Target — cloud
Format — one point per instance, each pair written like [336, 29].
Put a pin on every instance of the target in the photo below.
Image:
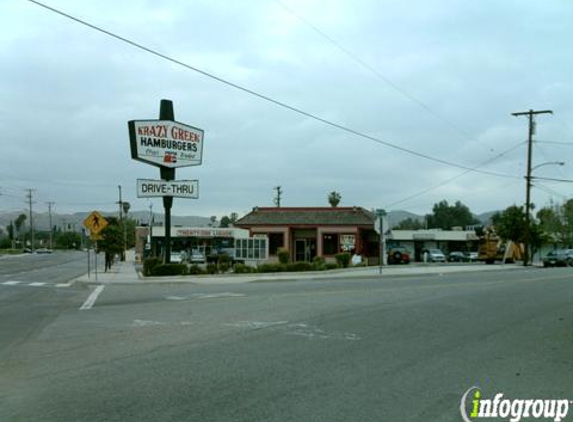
[68, 93]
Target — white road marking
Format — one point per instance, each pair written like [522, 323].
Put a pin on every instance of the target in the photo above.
[216, 295]
[63, 284]
[175, 297]
[92, 298]
[255, 325]
[145, 323]
[295, 329]
[36, 284]
[11, 283]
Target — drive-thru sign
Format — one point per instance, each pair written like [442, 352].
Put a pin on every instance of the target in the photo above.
[148, 188]
[165, 143]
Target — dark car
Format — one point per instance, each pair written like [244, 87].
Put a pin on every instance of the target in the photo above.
[457, 257]
[558, 258]
[398, 255]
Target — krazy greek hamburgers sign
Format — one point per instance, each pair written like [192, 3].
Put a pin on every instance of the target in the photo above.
[165, 143]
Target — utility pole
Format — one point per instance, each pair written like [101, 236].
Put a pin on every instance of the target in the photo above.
[278, 197]
[50, 216]
[29, 196]
[527, 237]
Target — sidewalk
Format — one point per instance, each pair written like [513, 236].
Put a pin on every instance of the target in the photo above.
[125, 273]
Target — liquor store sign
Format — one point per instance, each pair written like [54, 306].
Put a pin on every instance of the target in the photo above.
[165, 143]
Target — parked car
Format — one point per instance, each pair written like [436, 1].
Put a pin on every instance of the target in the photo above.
[558, 258]
[436, 255]
[43, 250]
[176, 258]
[398, 255]
[472, 256]
[197, 256]
[457, 256]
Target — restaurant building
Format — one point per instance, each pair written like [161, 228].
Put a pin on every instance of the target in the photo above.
[307, 232]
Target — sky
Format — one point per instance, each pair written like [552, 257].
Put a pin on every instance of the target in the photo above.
[438, 79]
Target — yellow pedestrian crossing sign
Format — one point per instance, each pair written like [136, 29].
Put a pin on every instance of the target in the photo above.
[95, 222]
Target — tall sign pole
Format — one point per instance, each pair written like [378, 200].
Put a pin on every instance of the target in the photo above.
[527, 234]
[167, 174]
[166, 144]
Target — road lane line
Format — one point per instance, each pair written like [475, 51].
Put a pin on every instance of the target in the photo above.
[92, 298]
[11, 283]
[63, 284]
[36, 284]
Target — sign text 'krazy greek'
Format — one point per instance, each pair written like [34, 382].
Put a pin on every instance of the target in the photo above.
[165, 143]
[148, 188]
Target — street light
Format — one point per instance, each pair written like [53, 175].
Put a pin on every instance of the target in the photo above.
[549, 163]
[528, 206]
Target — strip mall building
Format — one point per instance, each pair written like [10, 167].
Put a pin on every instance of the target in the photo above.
[309, 232]
[306, 233]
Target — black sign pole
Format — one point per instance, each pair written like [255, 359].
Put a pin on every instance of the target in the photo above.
[167, 174]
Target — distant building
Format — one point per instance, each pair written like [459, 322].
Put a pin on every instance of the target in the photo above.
[417, 241]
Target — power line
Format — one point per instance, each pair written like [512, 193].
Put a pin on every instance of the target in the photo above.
[265, 97]
[554, 143]
[549, 190]
[374, 71]
[552, 179]
[445, 182]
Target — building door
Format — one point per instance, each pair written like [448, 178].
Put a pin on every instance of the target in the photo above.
[300, 250]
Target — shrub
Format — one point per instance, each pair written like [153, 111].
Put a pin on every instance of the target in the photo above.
[331, 266]
[319, 263]
[212, 269]
[149, 264]
[240, 268]
[271, 268]
[196, 270]
[300, 266]
[283, 256]
[224, 263]
[169, 269]
[343, 259]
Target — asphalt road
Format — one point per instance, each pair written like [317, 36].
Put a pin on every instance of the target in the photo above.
[390, 349]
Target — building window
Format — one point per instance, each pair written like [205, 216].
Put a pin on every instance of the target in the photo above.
[330, 244]
[251, 249]
[276, 241]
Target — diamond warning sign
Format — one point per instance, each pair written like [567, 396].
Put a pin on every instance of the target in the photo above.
[95, 222]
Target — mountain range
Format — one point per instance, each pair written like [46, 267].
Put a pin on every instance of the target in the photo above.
[69, 221]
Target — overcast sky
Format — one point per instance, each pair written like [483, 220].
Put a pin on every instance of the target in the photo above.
[440, 78]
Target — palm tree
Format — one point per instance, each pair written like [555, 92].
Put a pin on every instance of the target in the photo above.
[334, 198]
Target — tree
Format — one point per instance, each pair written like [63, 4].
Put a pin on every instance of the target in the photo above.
[68, 240]
[334, 199]
[510, 224]
[445, 216]
[556, 222]
[409, 224]
[19, 222]
[225, 221]
[112, 234]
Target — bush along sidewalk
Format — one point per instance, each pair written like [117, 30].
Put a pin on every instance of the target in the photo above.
[155, 267]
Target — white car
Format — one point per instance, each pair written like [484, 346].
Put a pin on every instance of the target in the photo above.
[175, 258]
[436, 255]
[197, 256]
